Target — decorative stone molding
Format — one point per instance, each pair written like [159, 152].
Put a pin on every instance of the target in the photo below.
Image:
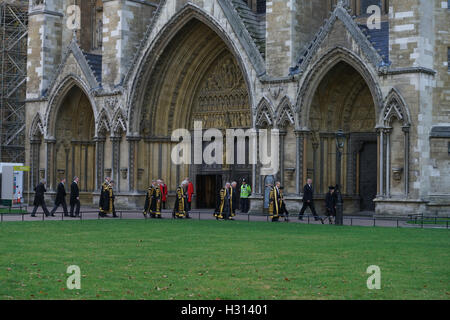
[395, 107]
[124, 173]
[108, 172]
[397, 174]
[285, 113]
[264, 114]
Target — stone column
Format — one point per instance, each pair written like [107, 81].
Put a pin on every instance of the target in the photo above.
[321, 163]
[406, 159]
[301, 146]
[132, 160]
[50, 163]
[116, 160]
[381, 161]
[315, 146]
[387, 132]
[254, 159]
[282, 134]
[100, 161]
[35, 145]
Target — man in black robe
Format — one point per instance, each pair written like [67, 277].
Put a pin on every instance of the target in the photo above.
[39, 200]
[75, 198]
[179, 209]
[308, 201]
[225, 203]
[60, 198]
[107, 198]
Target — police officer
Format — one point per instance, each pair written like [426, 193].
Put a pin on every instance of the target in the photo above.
[246, 191]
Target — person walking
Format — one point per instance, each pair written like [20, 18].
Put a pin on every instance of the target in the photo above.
[330, 204]
[308, 201]
[75, 198]
[39, 200]
[60, 198]
[190, 192]
[164, 193]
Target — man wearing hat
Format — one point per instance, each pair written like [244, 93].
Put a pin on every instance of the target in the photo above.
[330, 204]
[246, 191]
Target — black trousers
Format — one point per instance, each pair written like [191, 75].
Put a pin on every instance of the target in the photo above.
[63, 204]
[245, 205]
[73, 204]
[44, 207]
[311, 206]
[163, 204]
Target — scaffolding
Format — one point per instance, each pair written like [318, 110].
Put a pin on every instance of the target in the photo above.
[13, 73]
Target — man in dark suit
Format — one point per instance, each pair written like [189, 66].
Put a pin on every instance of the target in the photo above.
[75, 198]
[39, 198]
[60, 198]
[308, 201]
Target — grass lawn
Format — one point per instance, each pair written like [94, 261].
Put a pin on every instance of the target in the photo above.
[170, 259]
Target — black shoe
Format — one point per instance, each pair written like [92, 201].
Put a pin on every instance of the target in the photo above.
[34, 216]
[66, 215]
[52, 214]
[72, 216]
[300, 218]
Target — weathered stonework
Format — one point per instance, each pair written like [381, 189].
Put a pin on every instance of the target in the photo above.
[163, 64]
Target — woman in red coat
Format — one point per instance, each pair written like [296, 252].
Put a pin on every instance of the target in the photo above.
[190, 192]
[164, 192]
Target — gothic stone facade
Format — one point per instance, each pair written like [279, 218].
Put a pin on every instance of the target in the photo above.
[104, 100]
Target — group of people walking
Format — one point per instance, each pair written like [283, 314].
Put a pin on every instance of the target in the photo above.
[277, 205]
[156, 199]
[60, 199]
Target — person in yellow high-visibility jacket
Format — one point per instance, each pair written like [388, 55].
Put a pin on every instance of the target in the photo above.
[246, 192]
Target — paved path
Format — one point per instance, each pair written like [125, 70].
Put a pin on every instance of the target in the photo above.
[89, 213]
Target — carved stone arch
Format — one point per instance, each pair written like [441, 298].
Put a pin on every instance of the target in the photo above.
[395, 107]
[318, 71]
[145, 66]
[57, 97]
[37, 128]
[119, 123]
[356, 89]
[285, 113]
[102, 124]
[264, 114]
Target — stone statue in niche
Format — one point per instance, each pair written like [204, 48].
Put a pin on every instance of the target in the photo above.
[38, 2]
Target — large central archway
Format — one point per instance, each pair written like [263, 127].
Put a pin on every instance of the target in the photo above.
[196, 78]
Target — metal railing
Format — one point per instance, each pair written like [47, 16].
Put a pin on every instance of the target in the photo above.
[411, 221]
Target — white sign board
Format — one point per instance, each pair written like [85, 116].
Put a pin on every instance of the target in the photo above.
[12, 182]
